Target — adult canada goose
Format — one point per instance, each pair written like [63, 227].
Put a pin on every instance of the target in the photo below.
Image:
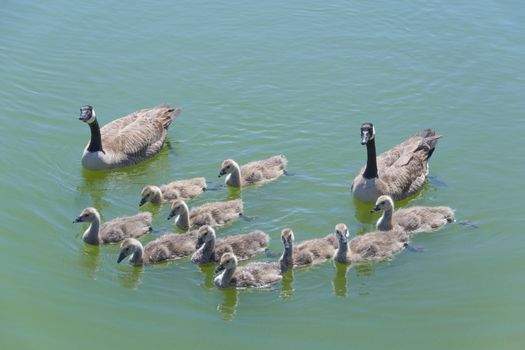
[128, 140]
[166, 247]
[180, 189]
[399, 172]
[213, 213]
[371, 246]
[413, 219]
[244, 245]
[256, 274]
[114, 230]
[314, 251]
[259, 171]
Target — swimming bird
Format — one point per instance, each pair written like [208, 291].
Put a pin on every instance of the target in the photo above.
[114, 230]
[371, 246]
[167, 247]
[314, 251]
[180, 189]
[255, 274]
[399, 172]
[213, 213]
[256, 172]
[128, 140]
[244, 245]
[413, 219]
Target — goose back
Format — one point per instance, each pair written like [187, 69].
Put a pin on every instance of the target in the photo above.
[216, 213]
[315, 251]
[183, 189]
[265, 170]
[170, 247]
[377, 245]
[124, 227]
[422, 218]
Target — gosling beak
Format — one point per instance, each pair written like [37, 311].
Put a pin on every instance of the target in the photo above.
[364, 138]
[219, 268]
[121, 257]
[170, 215]
[286, 244]
[222, 173]
[77, 220]
[374, 209]
[142, 202]
[344, 239]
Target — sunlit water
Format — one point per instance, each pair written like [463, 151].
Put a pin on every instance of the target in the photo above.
[254, 80]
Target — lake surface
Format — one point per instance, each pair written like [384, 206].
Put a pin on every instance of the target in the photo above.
[254, 80]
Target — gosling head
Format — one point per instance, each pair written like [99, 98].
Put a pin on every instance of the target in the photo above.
[205, 234]
[87, 114]
[368, 132]
[227, 167]
[228, 261]
[341, 232]
[127, 248]
[177, 207]
[88, 215]
[383, 203]
[148, 193]
[287, 237]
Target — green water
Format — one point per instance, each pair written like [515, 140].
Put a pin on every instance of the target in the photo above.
[254, 80]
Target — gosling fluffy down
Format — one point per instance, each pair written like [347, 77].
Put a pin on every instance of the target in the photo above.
[180, 189]
[114, 230]
[413, 219]
[214, 213]
[256, 172]
[166, 247]
[244, 245]
[372, 246]
[314, 251]
[257, 274]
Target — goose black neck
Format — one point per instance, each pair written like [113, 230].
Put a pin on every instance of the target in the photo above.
[371, 163]
[95, 144]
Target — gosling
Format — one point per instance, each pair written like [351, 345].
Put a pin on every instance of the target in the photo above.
[214, 214]
[166, 247]
[372, 246]
[256, 172]
[413, 219]
[257, 274]
[180, 189]
[115, 230]
[244, 246]
[314, 251]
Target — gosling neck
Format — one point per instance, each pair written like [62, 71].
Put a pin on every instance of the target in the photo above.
[183, 221]
[137, 257]
[234, 178]
[95, 144]
[286, 260]
[385, 221]
[371, 163]
[207, 250]
[226, 277]
[341, 252]
[91, 234]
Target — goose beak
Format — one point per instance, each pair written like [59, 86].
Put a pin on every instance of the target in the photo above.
[170, 215]
[121, 257]
[374, 209]
[219, 268]
[344, 239]
[222, 173]
[85, 114]
[77, 220]
[142, 202]
[364, 138]
[199, 243]
[286, 244]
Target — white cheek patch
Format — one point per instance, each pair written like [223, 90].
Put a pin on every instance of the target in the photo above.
[373, 133]
[93, 117]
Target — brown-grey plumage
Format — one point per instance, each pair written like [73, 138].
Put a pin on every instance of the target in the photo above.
[372, 246]
[413, 219]
[256, 172]
[256, 274]
[314, 251]
[399, 172]
[128, 140]
[244, 245]
[213, 213]
[114, 230]
[166, 247]
[180, 189]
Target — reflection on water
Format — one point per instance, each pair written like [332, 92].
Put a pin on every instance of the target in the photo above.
[132, 277]
[287, 285]
[365, 270]
[89, 259]
[340, 280]
[233, 192]
[228, 308]
[208, 271]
